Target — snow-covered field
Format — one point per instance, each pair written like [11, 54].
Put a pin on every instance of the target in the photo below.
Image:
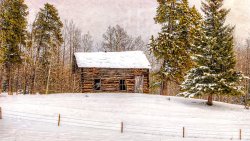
[98, 117]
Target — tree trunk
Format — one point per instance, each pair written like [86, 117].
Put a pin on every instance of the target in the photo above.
[161, 90]
[1, 80]
[9, 81]
[25, 86]
[33, 56]
[164, 88]
[210, 100]
[74, 83]
[25, 78]
[62, 69]
[247, 72]
[17, 79]
[35, 65]
[0, 84]
[48, 78]
[33, 81]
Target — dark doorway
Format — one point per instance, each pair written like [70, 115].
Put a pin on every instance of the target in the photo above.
[139, 84]
[97, 84]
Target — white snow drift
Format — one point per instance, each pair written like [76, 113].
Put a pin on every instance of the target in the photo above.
[97, 117]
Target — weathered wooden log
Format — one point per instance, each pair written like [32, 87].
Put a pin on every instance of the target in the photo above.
[110, 79]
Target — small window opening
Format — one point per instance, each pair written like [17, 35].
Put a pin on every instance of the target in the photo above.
[123, 85]
[97, 84]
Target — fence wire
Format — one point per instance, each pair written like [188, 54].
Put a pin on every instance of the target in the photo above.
[190, 132]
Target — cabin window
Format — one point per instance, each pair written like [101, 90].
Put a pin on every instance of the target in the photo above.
[97, 84]
[123, 85]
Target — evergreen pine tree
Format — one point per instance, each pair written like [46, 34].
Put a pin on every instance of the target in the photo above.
[215, 73]
[13, 35]
[47, 41]
[174, 44]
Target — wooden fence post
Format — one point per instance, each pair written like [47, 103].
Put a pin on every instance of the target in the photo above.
[121, 127]
[0, 112]
[59, 119]
[240, 134]
[183, 132]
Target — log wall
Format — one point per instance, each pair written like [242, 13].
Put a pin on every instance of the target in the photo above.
[110, 79]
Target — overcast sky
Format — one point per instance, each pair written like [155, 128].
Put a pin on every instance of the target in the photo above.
[136, 16]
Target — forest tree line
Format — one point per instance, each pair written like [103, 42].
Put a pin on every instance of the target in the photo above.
[38, 58]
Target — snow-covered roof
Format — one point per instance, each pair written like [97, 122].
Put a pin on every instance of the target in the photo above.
[127, 59]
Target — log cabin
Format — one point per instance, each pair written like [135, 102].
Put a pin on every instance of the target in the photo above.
[112, 72]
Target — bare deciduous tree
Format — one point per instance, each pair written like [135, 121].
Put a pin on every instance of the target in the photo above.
[86, 43]
[117, 39]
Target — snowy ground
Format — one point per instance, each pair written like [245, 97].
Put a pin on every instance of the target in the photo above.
[97, 117]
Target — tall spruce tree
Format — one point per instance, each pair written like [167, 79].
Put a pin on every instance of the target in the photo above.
[176, 41]
[47, 41]
[214, 73]
[13, 36]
